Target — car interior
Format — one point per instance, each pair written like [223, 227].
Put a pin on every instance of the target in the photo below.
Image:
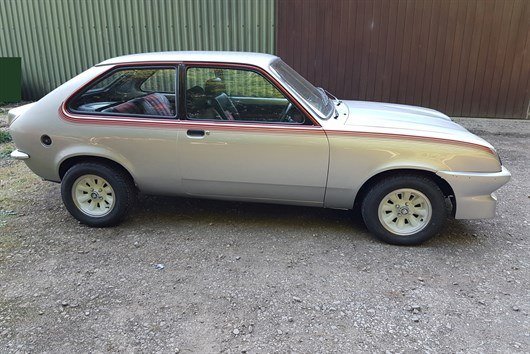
[126, 94]
[213, 101]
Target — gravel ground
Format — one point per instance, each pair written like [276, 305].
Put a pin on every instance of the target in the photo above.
[183, 275]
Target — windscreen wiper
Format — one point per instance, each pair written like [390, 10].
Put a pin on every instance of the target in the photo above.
[325, 93]
[337, 101]
[333, 96]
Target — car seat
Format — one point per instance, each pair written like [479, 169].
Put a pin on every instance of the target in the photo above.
[154, 104]
[215, 89]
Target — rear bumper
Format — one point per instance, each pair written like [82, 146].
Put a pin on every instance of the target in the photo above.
[474, 192]
[19, 155]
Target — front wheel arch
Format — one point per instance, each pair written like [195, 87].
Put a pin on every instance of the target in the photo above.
[404, 209]
[444, 186]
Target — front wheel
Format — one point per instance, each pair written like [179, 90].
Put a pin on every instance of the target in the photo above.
[404, 210]
[96, 194]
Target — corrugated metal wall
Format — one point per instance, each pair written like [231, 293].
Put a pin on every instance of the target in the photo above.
[58, 39]
[463, 57]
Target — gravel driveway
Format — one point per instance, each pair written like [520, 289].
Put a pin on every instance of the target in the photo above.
[183, 275]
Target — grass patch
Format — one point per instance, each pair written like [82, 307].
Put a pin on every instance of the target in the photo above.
[4, 137]
[16, 180]
[6, 150]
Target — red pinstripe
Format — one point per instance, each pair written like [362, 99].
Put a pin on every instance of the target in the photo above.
[238, 127]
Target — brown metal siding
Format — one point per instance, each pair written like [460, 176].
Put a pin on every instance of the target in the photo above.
[463, 57]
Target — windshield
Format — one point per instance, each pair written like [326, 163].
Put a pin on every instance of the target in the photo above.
[316, 98]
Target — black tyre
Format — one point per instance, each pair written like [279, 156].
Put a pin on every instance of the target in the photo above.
[404, 210]
[97, 194]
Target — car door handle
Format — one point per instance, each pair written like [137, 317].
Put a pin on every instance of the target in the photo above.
[199, 133]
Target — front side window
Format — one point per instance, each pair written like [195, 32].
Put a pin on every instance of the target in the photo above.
[237, 95]
[139, 92]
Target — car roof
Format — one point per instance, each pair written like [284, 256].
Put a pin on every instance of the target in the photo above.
[259, 59]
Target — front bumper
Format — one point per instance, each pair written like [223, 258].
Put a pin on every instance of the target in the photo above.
[474, 192]
[19, 155]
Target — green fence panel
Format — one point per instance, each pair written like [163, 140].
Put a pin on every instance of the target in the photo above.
[58, 39]
[10, 80]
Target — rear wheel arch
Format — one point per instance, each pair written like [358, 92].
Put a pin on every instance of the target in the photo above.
[97, 193]
[74, 160]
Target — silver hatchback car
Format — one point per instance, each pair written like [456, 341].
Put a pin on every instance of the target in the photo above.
[247, 127]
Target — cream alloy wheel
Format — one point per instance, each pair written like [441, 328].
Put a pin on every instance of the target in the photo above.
[97, 194]
[405, 211]
[93, 195]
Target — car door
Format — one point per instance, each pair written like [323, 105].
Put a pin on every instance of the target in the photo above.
[257, 152]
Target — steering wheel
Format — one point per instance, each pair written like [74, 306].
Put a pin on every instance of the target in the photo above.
[284, 116]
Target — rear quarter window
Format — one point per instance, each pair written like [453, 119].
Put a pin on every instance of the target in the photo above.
[146, 91]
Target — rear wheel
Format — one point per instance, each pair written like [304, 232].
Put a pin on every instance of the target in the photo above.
[404, 210]
[97, 194]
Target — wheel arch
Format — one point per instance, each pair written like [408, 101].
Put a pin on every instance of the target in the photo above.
[444, 186]
[67, 163]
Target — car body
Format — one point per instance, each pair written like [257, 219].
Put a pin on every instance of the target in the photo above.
[231, 136]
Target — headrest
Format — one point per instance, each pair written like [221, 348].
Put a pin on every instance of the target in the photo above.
[214, 87]
[196, 90]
